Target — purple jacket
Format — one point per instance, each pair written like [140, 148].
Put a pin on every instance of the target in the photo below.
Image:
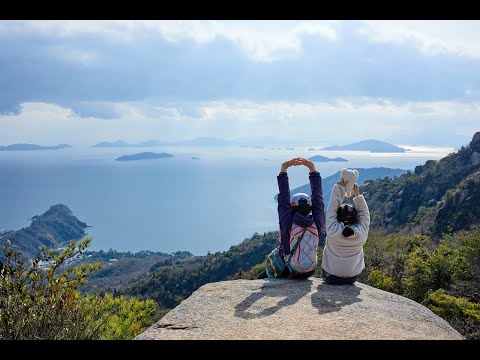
[285, 216]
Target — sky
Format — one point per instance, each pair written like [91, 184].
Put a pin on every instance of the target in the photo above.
[287, 82]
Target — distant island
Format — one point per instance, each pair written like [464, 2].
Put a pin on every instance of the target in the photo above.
[118, 143]
[374, 146]
[205, 141]
[254, 147]
[320, 158]
[195, 158]
[144, 156]
[124, 144]
[32, 147]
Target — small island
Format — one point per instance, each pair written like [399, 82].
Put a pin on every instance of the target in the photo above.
[320, 158]
[144, 156]
[32, 147]
[374, 146]
[124, 144]
[115, 144]
[195, 158]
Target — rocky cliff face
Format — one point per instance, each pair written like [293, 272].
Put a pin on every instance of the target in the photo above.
[286, 309]
[438, 197]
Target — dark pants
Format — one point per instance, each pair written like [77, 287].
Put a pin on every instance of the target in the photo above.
[288, 275]
[262, 275]
[336, 280]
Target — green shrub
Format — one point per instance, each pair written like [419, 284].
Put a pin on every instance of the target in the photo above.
[459, 312]
[430, 270]
[45, 303]
[119, 318]
[380, 280]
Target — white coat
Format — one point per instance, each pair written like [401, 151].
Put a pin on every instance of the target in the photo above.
[343, 256]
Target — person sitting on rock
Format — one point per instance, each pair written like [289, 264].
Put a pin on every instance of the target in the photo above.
[301, 219]
[347, 230]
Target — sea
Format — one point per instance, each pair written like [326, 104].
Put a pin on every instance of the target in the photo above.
[203, 199]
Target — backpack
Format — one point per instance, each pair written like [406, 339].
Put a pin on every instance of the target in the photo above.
[275, 266]
[304, 257]
[301, 259]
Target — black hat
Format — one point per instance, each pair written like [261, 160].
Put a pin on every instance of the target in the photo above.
[347, 214]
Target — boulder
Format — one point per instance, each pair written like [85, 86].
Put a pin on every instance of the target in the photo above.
[297, 309]
[459, 197]
[475, 158]
[389, 208]
[431, 202]
[476, 177]
[476, 137]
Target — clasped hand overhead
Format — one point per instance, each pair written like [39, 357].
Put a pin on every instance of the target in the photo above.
[298, 161]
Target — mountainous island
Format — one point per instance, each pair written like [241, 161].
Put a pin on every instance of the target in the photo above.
[320, 158]
[204, 141]
[32, 147]
[374, 146]
[114, 144]
[53, 228]
[124, 144]
[144, 156]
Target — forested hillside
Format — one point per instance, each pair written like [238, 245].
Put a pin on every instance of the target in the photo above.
[440, 196]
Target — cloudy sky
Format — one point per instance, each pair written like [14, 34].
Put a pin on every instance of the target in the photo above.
[289, 82]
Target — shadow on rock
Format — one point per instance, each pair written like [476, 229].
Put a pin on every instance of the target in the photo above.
[330, 298]
[289, 290]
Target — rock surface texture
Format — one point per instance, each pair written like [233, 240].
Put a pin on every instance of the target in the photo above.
[297, 309]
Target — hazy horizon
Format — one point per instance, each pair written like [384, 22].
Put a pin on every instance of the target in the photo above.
[232, 142]
[141, 205]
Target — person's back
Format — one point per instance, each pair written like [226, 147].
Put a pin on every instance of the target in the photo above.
[343, 258]
[301, 220]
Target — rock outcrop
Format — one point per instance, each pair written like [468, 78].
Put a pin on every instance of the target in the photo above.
[302, 309]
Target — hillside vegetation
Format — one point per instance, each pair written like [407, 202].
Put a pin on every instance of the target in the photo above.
[438, 197]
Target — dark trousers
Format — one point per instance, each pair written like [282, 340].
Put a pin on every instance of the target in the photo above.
[336, 280]
[288, 275]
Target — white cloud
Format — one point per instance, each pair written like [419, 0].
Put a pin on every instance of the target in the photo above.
[268, 40]
[430, 36]
[82, 57]
[342, 121]
[115, 29]
[263, 41]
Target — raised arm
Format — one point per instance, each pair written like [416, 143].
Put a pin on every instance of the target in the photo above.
[284, 207]
[363, 214]
[318, 207]
[333, 226]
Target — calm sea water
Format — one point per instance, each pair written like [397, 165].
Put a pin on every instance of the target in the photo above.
[169, 204]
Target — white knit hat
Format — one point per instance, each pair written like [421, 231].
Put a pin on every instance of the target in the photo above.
[296, 197]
